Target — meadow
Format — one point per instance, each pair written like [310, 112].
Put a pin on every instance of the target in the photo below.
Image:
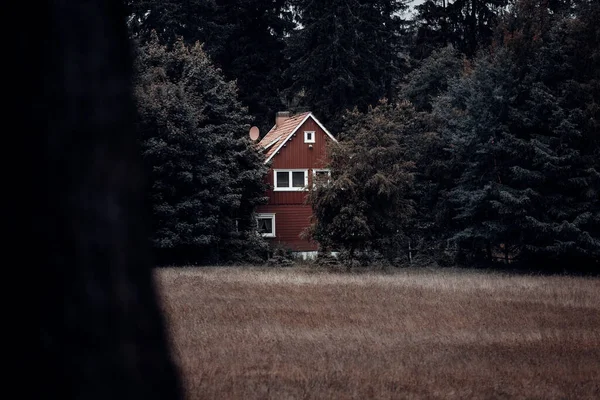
[292, 333]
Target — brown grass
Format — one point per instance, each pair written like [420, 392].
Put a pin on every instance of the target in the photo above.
[416, 334]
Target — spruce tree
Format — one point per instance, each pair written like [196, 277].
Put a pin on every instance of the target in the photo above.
[253, 54]
[430, 79]
[555, 123]
[468, 25]
[344, 55]
[205, 175]
[432, 29]
[245, 39]
[474, 112]
[522, 126]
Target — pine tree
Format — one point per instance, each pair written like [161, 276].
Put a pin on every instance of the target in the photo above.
[205, 175]
[245, 39]
[555, 122]
[193, 19]
[433, 29]
[474, 112]
[468, 25]
[344, 55]
[253, 54]
[435, 171]
[430, 79]
[524, 131]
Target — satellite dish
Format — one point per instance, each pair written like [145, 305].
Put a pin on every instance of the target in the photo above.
[254, 133]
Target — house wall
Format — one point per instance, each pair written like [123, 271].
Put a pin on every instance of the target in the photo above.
[297, 155]
[290, 221]
[292, 216]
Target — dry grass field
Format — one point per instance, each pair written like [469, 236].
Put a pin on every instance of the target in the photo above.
[416, 334]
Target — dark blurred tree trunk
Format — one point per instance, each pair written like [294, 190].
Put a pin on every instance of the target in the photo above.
[90, 307]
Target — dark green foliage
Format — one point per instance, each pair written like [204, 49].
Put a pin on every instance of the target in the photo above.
[431, 77]
[280, 256]
[345, 55]
[206, 178]
[496, 159]
[435, 172]
[474, 113]
[556, 117]
[253, 54]
[170, 19]
[468, 25]
[432, 28]
[366, 205]
[524, 132]
[245, 39]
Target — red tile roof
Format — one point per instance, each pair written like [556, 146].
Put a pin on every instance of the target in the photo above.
[280, 133]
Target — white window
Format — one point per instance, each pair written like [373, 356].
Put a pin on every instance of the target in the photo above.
[290, 180]
[321, 177]
[309, 136]
[265, 224]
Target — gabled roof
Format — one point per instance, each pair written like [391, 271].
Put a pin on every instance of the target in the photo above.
[279, 135]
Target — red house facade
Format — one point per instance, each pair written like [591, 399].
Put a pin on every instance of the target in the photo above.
[295, 150]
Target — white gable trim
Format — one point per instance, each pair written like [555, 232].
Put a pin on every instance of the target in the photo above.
[272, 143]
[322, 127]
[310, 115]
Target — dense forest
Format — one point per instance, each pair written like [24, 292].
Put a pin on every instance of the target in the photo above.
[469, 130]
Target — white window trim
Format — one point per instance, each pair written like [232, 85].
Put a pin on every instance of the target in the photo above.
[306, 136]
[289, 189]
[315, 170]
[265, 216]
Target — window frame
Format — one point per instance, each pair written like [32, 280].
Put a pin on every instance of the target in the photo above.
[270, 216]
[314, 174]
[306, 137]
[290, 188]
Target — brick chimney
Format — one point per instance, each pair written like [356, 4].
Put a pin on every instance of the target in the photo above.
[281, 117]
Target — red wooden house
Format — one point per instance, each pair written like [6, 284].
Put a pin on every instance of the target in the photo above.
[295, 149]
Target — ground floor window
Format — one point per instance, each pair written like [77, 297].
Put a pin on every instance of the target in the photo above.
[290, 180]
[265, 224]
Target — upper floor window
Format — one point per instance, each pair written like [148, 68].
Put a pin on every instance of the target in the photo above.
[290, 180]
[309, 136]
[321, 176]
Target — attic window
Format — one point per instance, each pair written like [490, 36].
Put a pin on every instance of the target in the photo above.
[290, 180]
[309, 136]
[265, 224]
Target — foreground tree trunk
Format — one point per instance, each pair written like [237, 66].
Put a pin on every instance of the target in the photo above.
[90, 311]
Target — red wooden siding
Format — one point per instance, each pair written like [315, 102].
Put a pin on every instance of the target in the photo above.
[292, 216]
[297, 155]
[290, 221]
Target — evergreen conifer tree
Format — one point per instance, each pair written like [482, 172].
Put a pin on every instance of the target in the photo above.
[205, 175]
[245, 39]
[431, 77]
[468, 25]
[344, 55]
[474, 112]
[524, 131]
